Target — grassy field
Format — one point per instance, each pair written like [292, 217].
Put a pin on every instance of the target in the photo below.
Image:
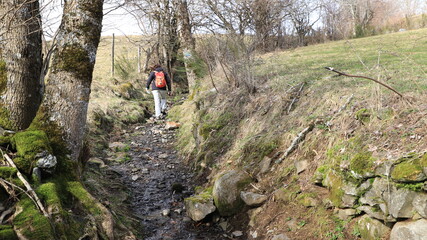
[124, 47]
[402, 57]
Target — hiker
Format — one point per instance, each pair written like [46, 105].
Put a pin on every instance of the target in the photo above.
[160, 82]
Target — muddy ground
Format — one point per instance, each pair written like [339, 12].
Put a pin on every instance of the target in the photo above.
[145, 173]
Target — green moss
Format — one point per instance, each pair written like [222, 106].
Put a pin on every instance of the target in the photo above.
[408, 171]
[53, 132]
[416, 187]
[335, 184]
[211, 123]
[3, 76]
[7, 233]
[203, 197]
[306, 199]
[323, 169]
[7, 172]
[66, 166]
[80, 193]
[28, 144]
[5, 121]
[362, 163]
[31, 223]
[260, 146]
[73, 59]
[5, 140]
[227, 207]
[363, 115]
[335, 155]
[49, 194]
[423, 161]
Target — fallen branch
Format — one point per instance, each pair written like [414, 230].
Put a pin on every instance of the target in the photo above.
[7, 188]
[299, 138]
[356, 76]
[4, 182]
[295, 98]
[329, 123]
[5, 213]
[27, 185]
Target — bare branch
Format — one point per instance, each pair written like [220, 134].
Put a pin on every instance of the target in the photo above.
[357, 76]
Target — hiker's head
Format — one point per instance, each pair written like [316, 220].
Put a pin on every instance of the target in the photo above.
[156, 66]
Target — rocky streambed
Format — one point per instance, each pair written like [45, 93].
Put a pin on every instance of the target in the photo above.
[158, 180]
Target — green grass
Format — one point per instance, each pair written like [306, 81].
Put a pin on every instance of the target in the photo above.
[401, 56]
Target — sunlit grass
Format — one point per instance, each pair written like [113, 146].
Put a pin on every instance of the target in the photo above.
[400, 59]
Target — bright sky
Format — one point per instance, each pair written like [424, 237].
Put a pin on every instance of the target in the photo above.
[118, 21]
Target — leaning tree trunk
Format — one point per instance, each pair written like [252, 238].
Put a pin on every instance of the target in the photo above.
[188, 44]
[21, 47]
[67, 93]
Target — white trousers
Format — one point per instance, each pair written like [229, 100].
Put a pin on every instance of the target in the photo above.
[159, 101]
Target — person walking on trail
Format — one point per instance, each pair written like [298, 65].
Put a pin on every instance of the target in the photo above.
[160, 85]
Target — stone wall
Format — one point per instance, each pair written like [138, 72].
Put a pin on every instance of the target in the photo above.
[390, 195]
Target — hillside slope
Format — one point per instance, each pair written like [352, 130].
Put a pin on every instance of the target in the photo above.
[360, 160]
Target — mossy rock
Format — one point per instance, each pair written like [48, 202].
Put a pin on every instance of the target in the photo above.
[89, 204]
[423, 163]
[362, 165]
[7, 233]
[203, 196]
[320, 174]
[87, 200]
[408, 171]
[334, 182]
[28, 144]
[49, 194]
[30, 223]
[127, 91]
[372, 229]
[200, 205]
[226, 191]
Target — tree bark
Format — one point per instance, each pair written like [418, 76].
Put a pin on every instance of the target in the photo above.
[21, 47]
[67, 92]
[188, 43]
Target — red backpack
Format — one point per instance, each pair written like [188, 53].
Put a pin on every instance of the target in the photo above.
[160, 80]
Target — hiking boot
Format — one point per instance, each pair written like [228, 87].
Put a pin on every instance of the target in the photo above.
[161, 117]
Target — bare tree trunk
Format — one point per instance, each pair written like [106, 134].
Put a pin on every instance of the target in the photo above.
[188, 43]
[22, 54]
[67, 92]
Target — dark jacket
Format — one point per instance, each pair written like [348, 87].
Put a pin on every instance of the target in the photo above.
[153, 83]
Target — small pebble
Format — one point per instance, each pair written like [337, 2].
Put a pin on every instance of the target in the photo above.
[166, 212]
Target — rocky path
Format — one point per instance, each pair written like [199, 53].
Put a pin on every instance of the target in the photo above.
[159, 182]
